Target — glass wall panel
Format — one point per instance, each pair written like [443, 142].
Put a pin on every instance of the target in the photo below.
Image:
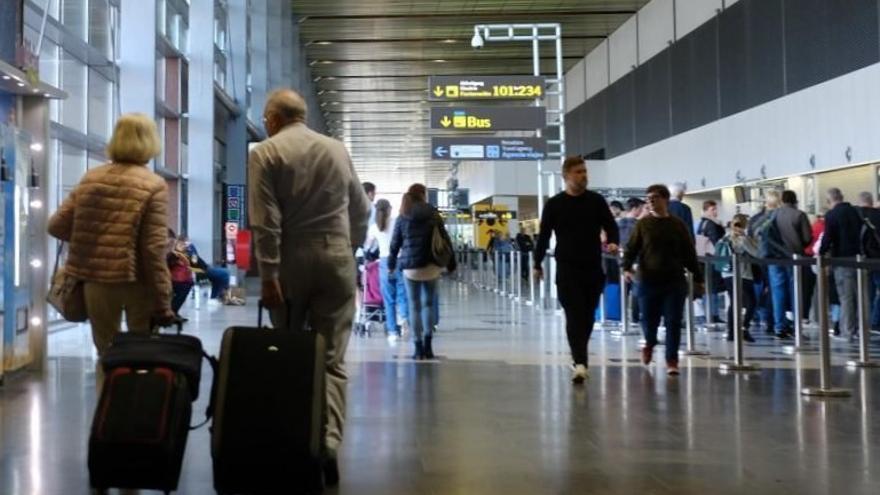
[100, 105]
[72, 166]
[100, 26]
[74, 16]
[73, 80]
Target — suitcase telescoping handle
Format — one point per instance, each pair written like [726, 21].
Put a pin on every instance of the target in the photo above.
[261, 308]
[178, 324]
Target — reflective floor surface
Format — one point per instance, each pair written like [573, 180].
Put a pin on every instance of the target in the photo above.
[496, 414]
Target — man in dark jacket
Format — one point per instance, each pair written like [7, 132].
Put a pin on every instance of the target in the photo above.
[842, 237]
[871, 230]
[677, 208]
[794, 229]
[578, 217]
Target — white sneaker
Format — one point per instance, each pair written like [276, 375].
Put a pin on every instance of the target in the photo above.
[579, 373]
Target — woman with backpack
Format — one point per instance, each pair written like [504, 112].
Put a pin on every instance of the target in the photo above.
[421, 248]
[738, 241]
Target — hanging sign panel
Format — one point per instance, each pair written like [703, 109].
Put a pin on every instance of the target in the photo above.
[488, 148]
[489, 118]
[457, 88]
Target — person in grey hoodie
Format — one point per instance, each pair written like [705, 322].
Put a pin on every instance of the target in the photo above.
[794, 228]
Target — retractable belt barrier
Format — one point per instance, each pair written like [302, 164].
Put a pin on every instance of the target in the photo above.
[505, 277]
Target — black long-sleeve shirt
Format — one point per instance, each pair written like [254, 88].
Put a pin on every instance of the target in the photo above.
[578, 222]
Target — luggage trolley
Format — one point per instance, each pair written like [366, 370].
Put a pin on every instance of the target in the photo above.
[371, 310]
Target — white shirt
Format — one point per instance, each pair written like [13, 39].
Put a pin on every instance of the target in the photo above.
[383, 238]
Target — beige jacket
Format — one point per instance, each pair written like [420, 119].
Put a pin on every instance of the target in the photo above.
[116, 224]
[302, 185]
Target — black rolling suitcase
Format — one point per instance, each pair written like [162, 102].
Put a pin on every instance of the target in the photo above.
[142, 421]
[268, 401]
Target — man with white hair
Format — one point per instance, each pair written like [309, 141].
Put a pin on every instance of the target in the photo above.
[308, 211]
[677, 207]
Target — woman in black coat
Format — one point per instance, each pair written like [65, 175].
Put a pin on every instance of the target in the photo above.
[411, 250]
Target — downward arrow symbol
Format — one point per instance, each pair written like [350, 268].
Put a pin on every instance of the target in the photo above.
[438, 91]
[445, 122]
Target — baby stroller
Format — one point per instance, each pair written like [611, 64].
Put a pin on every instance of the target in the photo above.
[372, 310]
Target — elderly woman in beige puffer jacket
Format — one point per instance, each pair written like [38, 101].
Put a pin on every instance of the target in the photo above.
[116, 224]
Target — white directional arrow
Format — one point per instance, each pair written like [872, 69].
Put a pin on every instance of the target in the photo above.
[441, 151]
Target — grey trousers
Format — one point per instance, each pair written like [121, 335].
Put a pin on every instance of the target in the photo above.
[847, 291]
[317, 283]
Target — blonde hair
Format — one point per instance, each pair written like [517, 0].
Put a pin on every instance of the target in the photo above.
[135, 140]
[740, 220]
[772, 199]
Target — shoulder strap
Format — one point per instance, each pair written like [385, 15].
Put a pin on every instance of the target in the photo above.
[57, 259]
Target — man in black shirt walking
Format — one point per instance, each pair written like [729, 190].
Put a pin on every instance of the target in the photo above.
[577, 216]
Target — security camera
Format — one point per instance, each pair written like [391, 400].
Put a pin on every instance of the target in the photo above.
[477, 41]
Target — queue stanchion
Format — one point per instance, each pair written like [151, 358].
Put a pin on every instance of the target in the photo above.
[864, 307]
[514, 275]
[797, 305]
[738, 363]
[691, 349]
[531, 301]
[709, 296]
[519, 278]
[501, 273]
[497, 283]
[625, 329]
[479, 275]
[824, 389]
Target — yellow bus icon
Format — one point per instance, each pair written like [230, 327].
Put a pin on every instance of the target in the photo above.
[452, 91]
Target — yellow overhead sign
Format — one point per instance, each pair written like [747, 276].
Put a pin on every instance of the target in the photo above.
[486, 87]
[488, 118]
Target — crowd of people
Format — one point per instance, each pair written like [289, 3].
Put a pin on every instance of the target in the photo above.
[307, 210]
[661, 241]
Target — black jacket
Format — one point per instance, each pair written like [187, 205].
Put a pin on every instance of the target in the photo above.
[843, 227]
[411, 241]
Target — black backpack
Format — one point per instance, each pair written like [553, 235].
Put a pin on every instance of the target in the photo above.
[869, 238]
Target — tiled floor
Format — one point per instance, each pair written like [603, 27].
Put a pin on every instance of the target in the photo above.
[497, 415]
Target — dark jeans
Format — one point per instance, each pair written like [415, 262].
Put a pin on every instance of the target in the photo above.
[422, 297]
[179, 293]
[219, 278]
[663, 300]
[579, 292]
[781, 294]
[874, 297]
[763, 302]
[809, 279]
[748, 303]
[632, 289]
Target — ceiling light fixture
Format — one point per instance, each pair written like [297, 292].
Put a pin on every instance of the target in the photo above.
[449, 40]
[6, 78]
[439, 60]
[20, 85]
[323, 42]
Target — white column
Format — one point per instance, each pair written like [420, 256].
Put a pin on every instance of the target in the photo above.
[137, 57]
[200, 184]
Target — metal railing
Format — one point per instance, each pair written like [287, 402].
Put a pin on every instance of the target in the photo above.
[503, 273]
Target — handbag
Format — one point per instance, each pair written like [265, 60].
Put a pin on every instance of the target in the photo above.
[441, 248]
[66, 293]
